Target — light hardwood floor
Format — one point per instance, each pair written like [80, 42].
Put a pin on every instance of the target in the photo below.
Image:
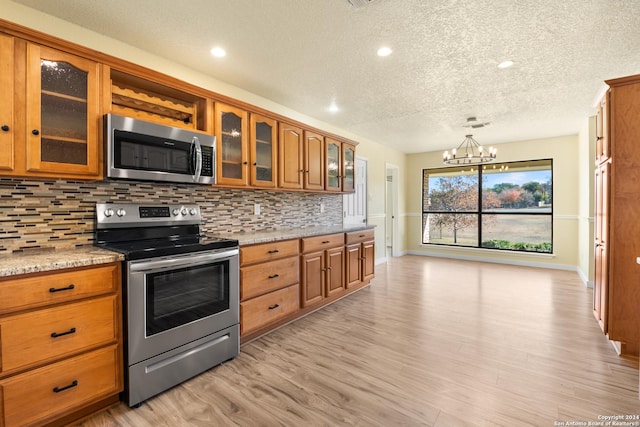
[432, 342]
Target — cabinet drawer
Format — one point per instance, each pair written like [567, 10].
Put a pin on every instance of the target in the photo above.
[266, 277]
[55, 389]
[359, 236]
[262, 310]
[50, 288]
[317, 243]
[268, 251]
[46, 334]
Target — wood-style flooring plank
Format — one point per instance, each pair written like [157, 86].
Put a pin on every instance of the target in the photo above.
[432, 342]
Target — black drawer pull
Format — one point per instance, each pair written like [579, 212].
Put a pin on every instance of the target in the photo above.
[362, 235]
[274, 306]
[56, 335]
[273, 276]
[35, 132]
[68, 288]
[273, 251]
[5, 128]
[326, 241]
[59, 389]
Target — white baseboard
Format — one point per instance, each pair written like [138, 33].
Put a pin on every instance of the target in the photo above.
[588, 283]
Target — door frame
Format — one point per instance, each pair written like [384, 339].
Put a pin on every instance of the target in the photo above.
[391, 207]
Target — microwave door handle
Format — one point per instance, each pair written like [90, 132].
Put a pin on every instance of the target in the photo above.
[198, 158]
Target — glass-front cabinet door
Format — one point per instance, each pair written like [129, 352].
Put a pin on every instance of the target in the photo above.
[231, 145]
[348, 167]
[333, 167]
[264, 150]
[62, 112]
[6, 102]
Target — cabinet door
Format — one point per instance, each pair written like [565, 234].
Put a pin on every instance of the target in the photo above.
[335, 271]
[602, 130]
[264, 151]
[348, 167]
[6, 102]
[62, 112]
[353, 271]
[313, 274]
[601, 279]
[368, 260]
[290, 156]
[313, 161]
[333, 166]
[231, 145]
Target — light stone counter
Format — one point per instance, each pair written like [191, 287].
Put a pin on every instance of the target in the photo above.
[266, 236]
[48, 260]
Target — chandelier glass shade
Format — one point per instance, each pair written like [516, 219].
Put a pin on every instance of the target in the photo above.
[469, 152]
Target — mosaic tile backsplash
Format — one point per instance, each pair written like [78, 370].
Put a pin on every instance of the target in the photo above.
[60, 214]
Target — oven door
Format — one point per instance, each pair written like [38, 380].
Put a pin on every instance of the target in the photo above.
[174, 300]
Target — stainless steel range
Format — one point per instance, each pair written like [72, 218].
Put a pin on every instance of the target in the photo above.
[181, 294]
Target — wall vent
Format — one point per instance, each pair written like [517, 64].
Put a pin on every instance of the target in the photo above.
[360, 3]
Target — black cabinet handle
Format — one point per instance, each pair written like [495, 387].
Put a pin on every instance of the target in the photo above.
[245, 163]
[5, 128]
[255, 164]
[35, 132]
[273, 276]
[326, 241]
[302, 170]
[274, 306]
[56, 335]
[59, 389]
[273, 251]
[68, 288]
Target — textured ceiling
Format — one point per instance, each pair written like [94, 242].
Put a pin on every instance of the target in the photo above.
[306, 53]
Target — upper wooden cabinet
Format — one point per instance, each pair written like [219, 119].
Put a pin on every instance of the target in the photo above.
[290, 156]
[7, 128]
[348, 167]
[50, 126]
[263, 137]
[232, 158]
[62, 112]
[339, 166]
[603, 147]
[313, 177]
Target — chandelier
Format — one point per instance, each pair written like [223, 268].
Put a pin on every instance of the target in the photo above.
[469, 152]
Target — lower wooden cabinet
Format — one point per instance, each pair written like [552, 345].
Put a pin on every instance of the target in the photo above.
[60, 344]
[284, 280]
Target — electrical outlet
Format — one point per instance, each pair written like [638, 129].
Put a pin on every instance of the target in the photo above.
[256, 209]
[321, 207]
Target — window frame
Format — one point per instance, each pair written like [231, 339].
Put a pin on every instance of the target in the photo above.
[479, 213]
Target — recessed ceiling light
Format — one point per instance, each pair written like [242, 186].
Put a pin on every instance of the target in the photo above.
[505, 64]
[333, 107]
[384, 51]
[218, 52]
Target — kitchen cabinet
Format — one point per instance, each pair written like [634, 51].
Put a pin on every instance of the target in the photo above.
[264, 150]
[360, 258]
[269, 284]
[62, 112]
[290, 156]
[7, 127]
[61, 344]
[322, 268]
[339, 166]
[231, 145]
[313, 176]
[617, 230]
[50, 125]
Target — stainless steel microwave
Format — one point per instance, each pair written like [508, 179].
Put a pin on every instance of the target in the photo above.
[137, 149]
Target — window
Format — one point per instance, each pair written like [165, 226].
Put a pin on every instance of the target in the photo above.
[499, 206]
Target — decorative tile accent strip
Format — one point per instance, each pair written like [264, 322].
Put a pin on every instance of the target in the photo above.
[60, 214]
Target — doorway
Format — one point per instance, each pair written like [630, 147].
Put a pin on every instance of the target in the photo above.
[391, 210]
[354, 205]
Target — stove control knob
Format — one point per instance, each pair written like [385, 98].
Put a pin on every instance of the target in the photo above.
[108, 212]
[193, 211]
[176, 212]
[183, 211]
[121, 212]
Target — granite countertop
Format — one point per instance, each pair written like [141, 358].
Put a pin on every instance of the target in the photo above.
[48, 260]
[57, 259]
[265, 236]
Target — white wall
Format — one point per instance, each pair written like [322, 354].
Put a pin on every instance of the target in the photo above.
[586, 156]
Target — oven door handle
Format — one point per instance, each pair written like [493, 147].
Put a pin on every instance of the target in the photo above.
[191, 260]
[197, 153]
